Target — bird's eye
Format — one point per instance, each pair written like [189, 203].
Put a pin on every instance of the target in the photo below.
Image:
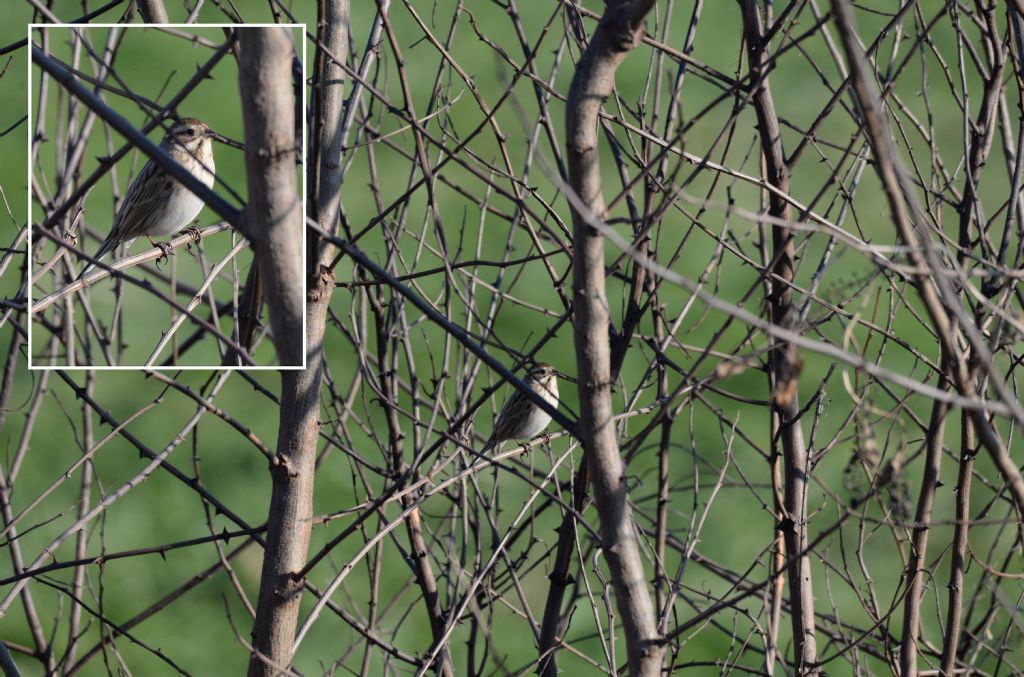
[190, 132]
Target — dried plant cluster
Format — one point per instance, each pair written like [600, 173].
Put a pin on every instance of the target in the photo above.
[776, 248]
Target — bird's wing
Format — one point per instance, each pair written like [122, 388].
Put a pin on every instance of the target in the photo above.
[146, 191]
[149, 189]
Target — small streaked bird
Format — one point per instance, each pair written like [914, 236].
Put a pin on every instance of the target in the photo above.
[156, 204]
[520, 418]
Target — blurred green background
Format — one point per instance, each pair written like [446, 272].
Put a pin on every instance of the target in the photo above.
[737, 529]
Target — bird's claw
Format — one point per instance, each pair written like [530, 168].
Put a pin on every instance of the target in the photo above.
[196, 235]
[165, 252]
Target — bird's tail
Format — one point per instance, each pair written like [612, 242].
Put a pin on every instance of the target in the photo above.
[104, 249]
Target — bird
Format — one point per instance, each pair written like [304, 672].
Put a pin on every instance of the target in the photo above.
[156, 204]
[520, 418]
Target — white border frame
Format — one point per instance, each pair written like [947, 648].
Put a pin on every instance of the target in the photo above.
[302, 193]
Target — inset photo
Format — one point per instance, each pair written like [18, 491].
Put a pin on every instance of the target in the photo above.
[167, 196]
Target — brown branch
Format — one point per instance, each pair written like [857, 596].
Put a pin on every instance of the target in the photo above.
[784, 362]
[981, 140]
[919, 543]
[958, 559]
[387, 366]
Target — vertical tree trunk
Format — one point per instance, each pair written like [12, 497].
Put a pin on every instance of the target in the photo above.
[152, 11]
[288, 522]
[619, 30]
[273, 214]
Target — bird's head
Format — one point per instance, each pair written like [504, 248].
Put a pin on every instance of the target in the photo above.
[191, 133]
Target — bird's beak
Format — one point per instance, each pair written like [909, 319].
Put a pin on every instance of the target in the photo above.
[223, 139]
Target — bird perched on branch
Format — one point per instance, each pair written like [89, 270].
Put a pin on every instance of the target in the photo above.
[156, 204]
[520, 418]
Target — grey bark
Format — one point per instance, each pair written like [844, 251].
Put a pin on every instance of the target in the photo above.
[291, 505]
[152, 11]
[619, 30]
[274, 211]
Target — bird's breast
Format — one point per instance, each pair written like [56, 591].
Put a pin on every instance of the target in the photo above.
[204, 169]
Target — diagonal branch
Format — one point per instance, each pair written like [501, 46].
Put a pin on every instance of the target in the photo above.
[105, 270]
[930, 277]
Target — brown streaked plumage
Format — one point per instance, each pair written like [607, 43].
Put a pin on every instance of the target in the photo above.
[156, 204]
[520, 418]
